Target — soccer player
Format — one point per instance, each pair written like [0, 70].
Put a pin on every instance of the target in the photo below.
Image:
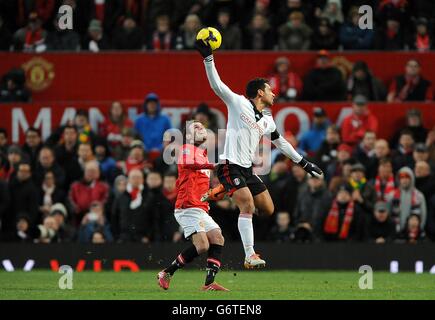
[191, 213]
[247, 122]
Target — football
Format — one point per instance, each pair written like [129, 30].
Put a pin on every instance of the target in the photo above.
[211, 36]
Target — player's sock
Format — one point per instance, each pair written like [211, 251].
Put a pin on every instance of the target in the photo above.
[246, 231]
[182, 259]
[213, 262]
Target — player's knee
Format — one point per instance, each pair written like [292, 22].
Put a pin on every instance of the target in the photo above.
[202, 246]
[219, 239]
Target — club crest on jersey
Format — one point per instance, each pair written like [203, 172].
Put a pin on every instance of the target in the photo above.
[236, 181]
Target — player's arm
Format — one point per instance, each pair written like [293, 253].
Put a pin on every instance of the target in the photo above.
[220, 88]
[288, 150]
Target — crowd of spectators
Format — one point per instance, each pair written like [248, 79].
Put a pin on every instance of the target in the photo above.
[112, 184]
[156, 25]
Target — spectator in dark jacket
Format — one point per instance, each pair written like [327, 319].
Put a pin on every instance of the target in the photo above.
[365, 150]
[47, 162]
[231, 33]
[412, 232]
[328, 149]
[187, 36]
[31, 38]
[13, 87]
[295, 34]
[343, 219]
[382, 150]
[352, 37]
[391, 36]
[324, 82]
[414, 123]
[363, 193]
[5, 36]
[129, 36]
[32, 146]
[424, 179]
[281, 232]
[309, 210]
[410, 86]
[324, 36]
[380, 227]
[24, 197]
[59, 40]
[152, 124]
[362, 82]
[130, 220]
[403, 155]
[65, 232]
[258, 35]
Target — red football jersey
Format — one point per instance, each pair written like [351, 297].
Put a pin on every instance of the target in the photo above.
[193, 177]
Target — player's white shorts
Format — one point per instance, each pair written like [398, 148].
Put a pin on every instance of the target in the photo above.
[194, 220]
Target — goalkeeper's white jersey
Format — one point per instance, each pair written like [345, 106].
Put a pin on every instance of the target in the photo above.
[246, 125]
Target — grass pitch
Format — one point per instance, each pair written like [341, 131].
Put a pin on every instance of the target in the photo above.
[261, 284]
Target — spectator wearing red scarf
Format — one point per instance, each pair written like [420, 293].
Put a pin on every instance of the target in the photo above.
[355, 125]
[384, 183]
[136, 158]
[162, 38]
[344, 221]
[410, 86]
[285, 84]
[31, 38]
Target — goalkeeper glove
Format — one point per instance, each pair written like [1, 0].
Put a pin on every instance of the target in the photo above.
[310, 168]
[203, 48]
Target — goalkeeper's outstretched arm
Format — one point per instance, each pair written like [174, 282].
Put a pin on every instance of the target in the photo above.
[220, 88]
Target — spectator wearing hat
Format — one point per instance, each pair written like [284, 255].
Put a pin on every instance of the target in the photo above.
[324, 36]
[32, 145]
[24, 196]
[421, 40]
[89, 189]
[95, 40]
[285, 83]
[335, 167]
[31, 38]
[66, 232]
[343, 220]
[362, 82]
[13, 88]
[324, 82]
[380, 227]
[384, 182]
[363, 193]
[152, 124]
[49, 193]
[410, 86]
[403, 154]
[295, 34]
[407, 200]
[310, 208]
[365, 150]
[358, 122]
[311, 140]
[352, 37]
[128, 36]
[414, 123]
[162, 38]
[231, 33]
[328, 149]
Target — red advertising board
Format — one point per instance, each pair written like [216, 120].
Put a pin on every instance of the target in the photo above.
[175, 75]
[295, 117]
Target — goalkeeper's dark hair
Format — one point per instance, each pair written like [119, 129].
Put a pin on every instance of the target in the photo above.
[254, 85]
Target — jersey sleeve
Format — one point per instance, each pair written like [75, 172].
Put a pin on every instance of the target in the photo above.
[219, 88]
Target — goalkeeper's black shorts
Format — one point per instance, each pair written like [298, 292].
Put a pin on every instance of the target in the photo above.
[233, 177]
